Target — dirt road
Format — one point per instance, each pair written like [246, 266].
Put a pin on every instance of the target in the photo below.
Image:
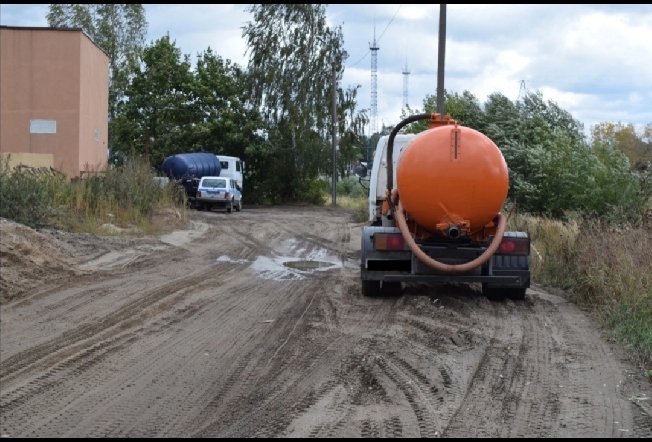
[206, 332]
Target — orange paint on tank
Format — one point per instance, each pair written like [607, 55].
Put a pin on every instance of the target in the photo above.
[451, 175]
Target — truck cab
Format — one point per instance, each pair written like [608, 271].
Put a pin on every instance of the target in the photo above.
[232, 167]
[378, 177]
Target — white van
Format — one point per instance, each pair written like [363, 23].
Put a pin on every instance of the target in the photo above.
[232, 167]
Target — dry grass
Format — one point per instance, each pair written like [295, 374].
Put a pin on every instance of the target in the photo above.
[126, 198]
[358, 204]
[603, 268]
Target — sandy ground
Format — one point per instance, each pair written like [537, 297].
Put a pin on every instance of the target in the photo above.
[205, 332]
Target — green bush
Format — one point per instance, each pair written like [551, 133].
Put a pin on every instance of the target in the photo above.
[313, 192]
[124, 195]
[350, 186]
[26, 195]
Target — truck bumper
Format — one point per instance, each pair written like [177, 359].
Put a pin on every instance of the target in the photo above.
[402, 266]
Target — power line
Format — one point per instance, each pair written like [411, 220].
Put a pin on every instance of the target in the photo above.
[377, 41]
[390, 22]
[365, 56]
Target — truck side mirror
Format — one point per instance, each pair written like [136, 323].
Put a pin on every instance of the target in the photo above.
[360, 171]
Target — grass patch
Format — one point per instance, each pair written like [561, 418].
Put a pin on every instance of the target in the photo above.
[359, 205]
[126, 197]
[350, 195]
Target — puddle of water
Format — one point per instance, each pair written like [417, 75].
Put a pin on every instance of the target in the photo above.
[307, 265]
[225, 258]
[284, 268]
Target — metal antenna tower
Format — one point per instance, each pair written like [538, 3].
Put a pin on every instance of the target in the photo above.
[373, 47]
[522, 90]
[406, 72]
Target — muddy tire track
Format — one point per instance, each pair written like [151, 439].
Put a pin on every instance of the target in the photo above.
[191, 339]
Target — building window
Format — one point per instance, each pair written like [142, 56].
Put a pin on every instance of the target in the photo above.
[97, 135]
[43, 126]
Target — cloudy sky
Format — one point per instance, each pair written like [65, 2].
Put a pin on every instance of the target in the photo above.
[593, 60]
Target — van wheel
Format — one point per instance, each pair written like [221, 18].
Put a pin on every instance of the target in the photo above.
[229, 208]
[239, 206]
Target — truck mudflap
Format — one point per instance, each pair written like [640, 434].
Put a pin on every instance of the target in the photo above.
[501, 271]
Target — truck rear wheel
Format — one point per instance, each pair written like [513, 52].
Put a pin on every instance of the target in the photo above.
[370, 288]
[516, 294]
[392, 288]
[229, 208]
[493, 293]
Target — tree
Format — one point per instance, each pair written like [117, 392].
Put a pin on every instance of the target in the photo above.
[291, 51]
[625, 137]
[118, 29]
[350, 129]
[552, 167]
[159, 110]
[171, 109]
[465, 109]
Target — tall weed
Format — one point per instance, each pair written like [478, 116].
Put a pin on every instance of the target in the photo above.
[603, 267]
[124, 196]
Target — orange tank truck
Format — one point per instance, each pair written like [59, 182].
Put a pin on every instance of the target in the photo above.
[435, 202]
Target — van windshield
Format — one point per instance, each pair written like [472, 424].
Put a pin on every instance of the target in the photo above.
[214, 183]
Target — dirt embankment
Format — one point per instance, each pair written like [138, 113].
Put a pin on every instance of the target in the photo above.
[218, 331]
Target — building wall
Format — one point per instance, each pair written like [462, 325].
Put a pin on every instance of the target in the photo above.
[94, 107]
[56, 76]
[36, 160]
[39, 79]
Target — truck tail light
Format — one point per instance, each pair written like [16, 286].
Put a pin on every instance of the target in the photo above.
[389, 241]
[514, 246]
[198, 194]
[226, 195]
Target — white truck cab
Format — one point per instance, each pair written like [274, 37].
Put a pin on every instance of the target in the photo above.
[378, 178]
[232, 167]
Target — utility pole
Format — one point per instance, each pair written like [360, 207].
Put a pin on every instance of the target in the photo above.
[441, 58]
[334, 134]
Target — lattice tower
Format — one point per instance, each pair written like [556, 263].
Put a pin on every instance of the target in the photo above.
[406, 72]
[373, 47]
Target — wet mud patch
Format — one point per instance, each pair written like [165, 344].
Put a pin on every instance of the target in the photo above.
[307, 266]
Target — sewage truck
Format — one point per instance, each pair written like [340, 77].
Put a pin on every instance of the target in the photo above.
[434, 213]
[434, 208]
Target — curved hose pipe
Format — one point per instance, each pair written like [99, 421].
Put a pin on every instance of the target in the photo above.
[448, 268]
[390, 145]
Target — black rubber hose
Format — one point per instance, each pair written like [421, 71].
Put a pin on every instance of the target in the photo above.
[390, 145]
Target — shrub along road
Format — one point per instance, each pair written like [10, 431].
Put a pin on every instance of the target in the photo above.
[205, 332]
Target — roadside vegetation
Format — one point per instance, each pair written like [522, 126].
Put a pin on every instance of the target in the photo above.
[126, 197]
[604, 267]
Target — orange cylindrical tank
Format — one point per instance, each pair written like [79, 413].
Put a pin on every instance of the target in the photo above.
[452, 175]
